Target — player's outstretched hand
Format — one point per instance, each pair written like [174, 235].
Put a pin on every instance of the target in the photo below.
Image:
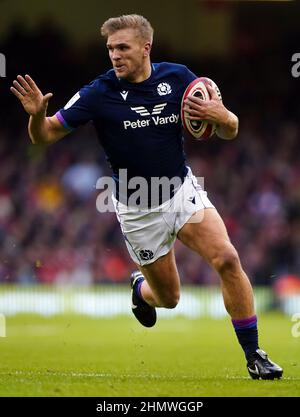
[31, 97]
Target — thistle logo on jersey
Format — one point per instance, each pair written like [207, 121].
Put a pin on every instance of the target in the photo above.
[156, 119]
[164, 89]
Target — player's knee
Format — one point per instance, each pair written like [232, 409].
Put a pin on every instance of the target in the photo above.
[227, 261]
[170, 300]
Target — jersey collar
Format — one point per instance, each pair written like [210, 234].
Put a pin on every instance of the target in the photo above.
[125, 83]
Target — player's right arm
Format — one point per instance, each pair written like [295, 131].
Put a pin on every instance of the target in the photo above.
[42, 129]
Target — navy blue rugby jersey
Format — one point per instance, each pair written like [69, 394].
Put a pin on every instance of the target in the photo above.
[138, 124]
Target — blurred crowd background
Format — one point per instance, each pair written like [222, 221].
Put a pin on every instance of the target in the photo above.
[50, 230]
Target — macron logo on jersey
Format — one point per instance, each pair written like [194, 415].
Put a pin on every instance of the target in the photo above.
[124, 94]
[157, 120]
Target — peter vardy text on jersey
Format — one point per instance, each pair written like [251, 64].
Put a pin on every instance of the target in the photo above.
[156, 120]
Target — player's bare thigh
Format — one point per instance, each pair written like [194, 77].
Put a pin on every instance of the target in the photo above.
[163, 279]
[208, 237]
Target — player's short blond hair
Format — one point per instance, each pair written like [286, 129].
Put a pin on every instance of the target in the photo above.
[128, 21]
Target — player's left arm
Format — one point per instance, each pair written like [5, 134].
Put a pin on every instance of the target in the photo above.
[214, 111]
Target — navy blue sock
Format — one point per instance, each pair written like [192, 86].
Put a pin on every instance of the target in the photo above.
[139, 289]
[246, 331]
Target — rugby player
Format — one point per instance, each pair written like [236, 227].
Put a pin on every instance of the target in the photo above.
[135, 109]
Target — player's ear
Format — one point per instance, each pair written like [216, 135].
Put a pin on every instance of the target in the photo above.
[147, 49]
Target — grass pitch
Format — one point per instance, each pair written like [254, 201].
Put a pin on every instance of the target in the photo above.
[80, 356]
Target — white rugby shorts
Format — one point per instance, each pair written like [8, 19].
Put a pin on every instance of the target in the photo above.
[150, 233]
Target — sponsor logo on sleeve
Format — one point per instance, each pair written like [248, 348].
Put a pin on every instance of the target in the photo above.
[72, 101]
